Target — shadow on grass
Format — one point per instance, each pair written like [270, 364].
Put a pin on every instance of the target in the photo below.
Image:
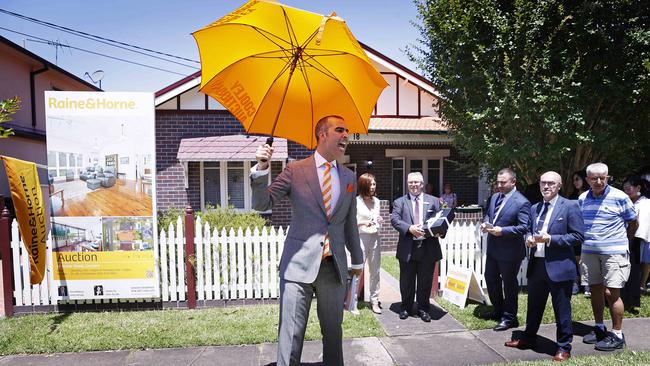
[57, 320]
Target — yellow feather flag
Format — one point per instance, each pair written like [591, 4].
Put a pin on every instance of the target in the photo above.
[30, 211]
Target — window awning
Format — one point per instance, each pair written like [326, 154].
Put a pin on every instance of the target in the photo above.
[231, 147]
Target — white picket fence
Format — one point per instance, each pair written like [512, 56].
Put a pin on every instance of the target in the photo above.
[465, 246]
[240, 264]
[231, 265]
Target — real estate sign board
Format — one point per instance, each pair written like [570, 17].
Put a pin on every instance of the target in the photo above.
[461, 284]
[101, 165]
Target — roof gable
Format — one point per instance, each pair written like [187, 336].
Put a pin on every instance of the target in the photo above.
[173, 90]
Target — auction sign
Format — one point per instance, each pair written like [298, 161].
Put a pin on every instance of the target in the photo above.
[101, 165]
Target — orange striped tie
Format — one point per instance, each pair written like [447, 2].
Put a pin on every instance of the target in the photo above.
[327, 201]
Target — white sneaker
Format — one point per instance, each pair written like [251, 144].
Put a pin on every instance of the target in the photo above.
[376, 309]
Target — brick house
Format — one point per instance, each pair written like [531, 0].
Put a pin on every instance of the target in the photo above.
[28, 76]
[203, 156]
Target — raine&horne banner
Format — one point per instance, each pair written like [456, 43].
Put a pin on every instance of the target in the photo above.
[101, 150]
[28, 202]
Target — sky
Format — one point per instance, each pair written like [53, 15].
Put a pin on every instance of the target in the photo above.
[166, 26]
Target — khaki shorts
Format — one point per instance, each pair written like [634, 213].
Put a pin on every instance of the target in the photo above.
[611, 270]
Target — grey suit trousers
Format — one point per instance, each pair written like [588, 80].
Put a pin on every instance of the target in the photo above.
[295, 302]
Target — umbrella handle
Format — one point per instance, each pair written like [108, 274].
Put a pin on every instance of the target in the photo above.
[269, 141]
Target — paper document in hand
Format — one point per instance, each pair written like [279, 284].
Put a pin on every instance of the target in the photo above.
[351, 293]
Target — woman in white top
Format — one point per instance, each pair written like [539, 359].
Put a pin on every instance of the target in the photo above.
[633, 186]
[369, 220]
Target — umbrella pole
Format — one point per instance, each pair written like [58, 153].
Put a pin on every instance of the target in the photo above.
[294, 62]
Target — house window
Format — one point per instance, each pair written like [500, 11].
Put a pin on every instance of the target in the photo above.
[429, 168]
[226, 183]
[211, 184]
[398, 178]
[236, 181]
[59, 163]
[433, 176]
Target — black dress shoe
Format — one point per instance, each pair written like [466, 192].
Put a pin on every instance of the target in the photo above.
[506, 324]
[490, 315]
[424, 316]
[403, 314]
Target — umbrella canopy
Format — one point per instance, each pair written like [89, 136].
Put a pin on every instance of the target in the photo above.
[279, 70]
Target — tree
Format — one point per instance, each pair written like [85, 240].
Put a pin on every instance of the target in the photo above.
[541, 85]
[7, 108]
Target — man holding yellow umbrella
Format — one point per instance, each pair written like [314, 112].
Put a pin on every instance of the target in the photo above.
[286, 72]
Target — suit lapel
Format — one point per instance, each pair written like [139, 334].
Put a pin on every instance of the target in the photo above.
[506, 205]
[491, 212]
[311, 175]
[409, 208]
[555, 213]
[430, 205]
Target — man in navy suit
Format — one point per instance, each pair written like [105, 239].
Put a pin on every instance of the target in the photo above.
[506, 222]
[417, 255]
[556, 227]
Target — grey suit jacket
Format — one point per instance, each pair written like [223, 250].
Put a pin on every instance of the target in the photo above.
[303, 247]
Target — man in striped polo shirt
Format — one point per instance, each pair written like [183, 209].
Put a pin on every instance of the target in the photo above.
[604, 262]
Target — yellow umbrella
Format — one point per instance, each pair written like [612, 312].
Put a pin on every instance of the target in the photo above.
[279, 70]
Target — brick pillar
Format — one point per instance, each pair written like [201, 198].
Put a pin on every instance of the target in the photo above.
[190, 258]
[7, 308]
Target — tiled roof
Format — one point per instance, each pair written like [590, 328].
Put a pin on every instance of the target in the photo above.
[232, 147]
[406, 124]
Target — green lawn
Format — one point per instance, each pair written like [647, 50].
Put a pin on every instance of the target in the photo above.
[468, 316]
[77, 332]
[623, 358]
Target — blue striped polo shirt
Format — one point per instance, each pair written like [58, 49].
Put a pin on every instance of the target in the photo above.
[605, 218]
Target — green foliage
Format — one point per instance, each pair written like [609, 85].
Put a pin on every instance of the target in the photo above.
[218, 217]
[540, 85]
[7, 108]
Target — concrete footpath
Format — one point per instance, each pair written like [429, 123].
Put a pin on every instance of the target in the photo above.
[444, 341]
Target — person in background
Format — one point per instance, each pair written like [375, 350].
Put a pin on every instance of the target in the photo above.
[531, 191]
[448, 198]
[428, 189]
[631, 293]
[506, 222]
[610, 219]
[556, 227]
[634, 188]
[369, 221]
[579, 180]
[417, 254]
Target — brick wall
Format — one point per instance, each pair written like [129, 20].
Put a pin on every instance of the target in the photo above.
[466, 188]
[171, 128]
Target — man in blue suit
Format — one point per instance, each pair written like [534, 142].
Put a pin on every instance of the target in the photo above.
[506, 222]
[557, 226]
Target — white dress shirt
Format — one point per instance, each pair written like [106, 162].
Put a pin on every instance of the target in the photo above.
[540, 246]
[421, 204]
[334, 174]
